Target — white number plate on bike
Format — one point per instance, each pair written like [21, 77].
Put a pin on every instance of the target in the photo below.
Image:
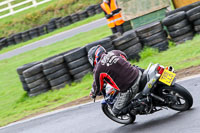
[167, 77]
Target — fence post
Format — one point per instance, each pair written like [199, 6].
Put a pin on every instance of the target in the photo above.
[10, 7]
[34, 3]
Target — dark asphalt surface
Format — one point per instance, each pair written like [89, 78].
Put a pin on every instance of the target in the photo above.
[55, 38]
[90, 119]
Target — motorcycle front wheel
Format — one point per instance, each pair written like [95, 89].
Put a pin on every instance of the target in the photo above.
[177, 97]
[124, 119]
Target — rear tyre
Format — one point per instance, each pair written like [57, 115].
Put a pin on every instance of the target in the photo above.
[125, 119]
[178, 97]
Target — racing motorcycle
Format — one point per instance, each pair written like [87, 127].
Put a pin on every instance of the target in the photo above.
[157, 87]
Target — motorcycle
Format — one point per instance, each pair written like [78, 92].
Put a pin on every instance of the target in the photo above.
[157, 86]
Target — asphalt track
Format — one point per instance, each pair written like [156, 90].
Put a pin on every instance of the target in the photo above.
[55, 38]
[90, 119]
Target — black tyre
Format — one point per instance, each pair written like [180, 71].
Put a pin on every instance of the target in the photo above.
[154, 39]
[82, 74]
[180, 31]
[174, 18]
[22, 79]
[197, 28]
[178, 97]
[53, 62]
[126, 119]
[37, 83]
[34, 78]
[79, 69]
[127, 36]
[183, 38]
[43, 86]
[54, 69]
[62, 85]
[162, 46]
[110, 49]
[196, 22]
[128, 44]
[193, 11]
[60, 80]
[133, 51]
[77, 63]
[178, 25]
[25, 86]
[194, 17]
[57, 74]
[26, 66]
[75, 54]
[33, 71]
[149, 29]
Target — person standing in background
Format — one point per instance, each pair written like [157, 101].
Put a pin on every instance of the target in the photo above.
[113, 15]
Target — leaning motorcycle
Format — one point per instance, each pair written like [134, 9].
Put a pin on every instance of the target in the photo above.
[158, 88]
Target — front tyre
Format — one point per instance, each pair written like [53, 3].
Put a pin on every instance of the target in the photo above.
[177, 97]
[125, 119]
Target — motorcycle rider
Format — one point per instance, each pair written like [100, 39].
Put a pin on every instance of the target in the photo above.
[114, 69]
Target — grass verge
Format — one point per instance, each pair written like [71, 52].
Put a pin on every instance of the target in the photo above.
[15, 104]
[80, 23]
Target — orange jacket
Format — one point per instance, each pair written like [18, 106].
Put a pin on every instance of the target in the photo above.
[116, 19]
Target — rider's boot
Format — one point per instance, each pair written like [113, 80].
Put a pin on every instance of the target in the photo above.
[134, 107]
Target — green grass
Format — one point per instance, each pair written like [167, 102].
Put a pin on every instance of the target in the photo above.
[41, 15]
[86, 21]
[15, 104]
[180, 56]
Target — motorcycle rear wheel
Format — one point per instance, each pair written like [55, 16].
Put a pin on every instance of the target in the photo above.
[180, 98]
[125, 119]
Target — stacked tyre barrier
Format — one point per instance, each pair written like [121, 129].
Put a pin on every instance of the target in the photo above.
[83, 15]
[77, 63]
[25, 36]
[32, 78]
[3, 43]
[36, 80]
[52, 25]
[91, 10]
[129, 43]
[11, 40]
[75, 17]
[153, 35]
[178, 26]
[194, 17]
[56, 72]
